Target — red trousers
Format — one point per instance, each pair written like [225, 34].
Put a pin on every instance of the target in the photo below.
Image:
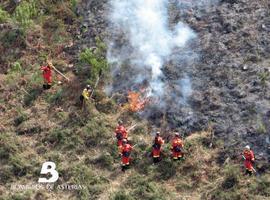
[156, 152]
[125, 160]
[177, 155]
[47, 79]
[248, 165]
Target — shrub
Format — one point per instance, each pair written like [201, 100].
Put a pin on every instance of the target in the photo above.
[82, 175]
[261, 186]
[64, 138]
[32, 96]
[96, 59]
[56, 97]
[231, 177]
[13, 73]
[166, 169]
[25, 12]
[8, 148]
[96, 131]
[144, 189]
[4, 16]
[5, 174]
[18, 165]
[104, 161]
[122, 196]
[14, 37]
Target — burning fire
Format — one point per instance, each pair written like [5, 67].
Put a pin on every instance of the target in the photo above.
[136, 101]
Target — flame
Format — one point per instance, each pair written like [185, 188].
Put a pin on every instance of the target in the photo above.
[136, 101]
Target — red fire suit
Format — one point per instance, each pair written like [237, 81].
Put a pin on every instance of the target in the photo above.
[157, 146]
[120, 133]
[47, 74]
[125, 151]
[177, 145]
[249, 159]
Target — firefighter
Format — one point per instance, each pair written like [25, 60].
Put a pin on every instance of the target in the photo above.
[249, 160]
[158, 141]
[85, 96]
[125, 152]
[177, 147]
[120, 133]
[47, 75]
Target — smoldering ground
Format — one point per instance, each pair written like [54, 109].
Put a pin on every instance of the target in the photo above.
[147, 51]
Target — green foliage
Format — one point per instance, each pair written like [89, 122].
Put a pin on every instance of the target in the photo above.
[261, 126]
[144, 189]
[96, 59]
[4, 16]
[83, 175]
[32, 96]
[122, 196]
[64, 138]
[21, 117]
[264, 77]
[104, 161]
[74, 4]
[56, 97]
[19, 166]
[13, 38]
[20, 196]
[261, 186]
[25, 12]
[8, 147]
[36, 79]
[96, 131]
[166, 170]
[13, 73]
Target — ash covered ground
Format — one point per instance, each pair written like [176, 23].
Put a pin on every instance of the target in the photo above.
[221, 78]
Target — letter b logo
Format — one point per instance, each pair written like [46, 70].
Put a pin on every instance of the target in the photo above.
[49, 167]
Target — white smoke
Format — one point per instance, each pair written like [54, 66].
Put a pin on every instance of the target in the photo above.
[148, 42]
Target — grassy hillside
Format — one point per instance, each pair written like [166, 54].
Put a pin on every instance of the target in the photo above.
[38, 126]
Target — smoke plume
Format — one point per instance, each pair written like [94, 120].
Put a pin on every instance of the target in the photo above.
[142, 43]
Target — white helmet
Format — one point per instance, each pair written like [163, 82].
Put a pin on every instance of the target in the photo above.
[247, 147]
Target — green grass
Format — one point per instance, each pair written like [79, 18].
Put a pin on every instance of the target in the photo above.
[25, 12]
[4, 16]
[96, 61]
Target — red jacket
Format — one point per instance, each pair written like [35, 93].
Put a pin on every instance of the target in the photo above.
[177, 143]
[121, 132]
[157, 146]
[125, 151]
[47, 74]
[249, 158]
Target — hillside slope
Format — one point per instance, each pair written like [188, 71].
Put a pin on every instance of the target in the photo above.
[38, 126]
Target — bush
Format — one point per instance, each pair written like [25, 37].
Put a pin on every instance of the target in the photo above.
[56, 97]
[261, 186]
[32, 96]
[25, 12]
[144, 189]
[96, 131]
[82, 175]
[64, 138]
[96, 59]
[231, 177]
[166, 169]
[21, 117]
[122, 196]
[104, 161]
[14, 37]
[8, 148]
[4, 16]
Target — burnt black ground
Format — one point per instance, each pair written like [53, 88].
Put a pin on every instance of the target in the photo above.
[229, 69]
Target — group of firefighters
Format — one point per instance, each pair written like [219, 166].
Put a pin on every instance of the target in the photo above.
[125, 148]
[121, 134]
